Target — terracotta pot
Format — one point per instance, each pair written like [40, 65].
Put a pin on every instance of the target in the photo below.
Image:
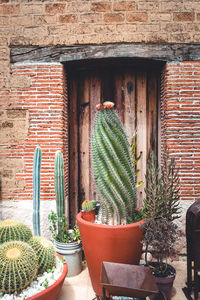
[52, 292]
[88, 215]
[118, 243]
[165, 285]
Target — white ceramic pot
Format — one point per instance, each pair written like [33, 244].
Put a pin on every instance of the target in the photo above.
[72, 253]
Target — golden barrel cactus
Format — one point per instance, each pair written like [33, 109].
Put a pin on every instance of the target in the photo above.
[14, 231]
[18, 266]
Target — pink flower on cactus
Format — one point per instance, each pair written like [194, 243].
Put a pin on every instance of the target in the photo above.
[108, 104]
[99, 106]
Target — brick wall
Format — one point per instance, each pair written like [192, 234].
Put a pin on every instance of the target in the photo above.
[39, 118]
[181, 122]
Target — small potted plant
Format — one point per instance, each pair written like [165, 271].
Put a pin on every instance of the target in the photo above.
[67, 241]
[88, 210]
[161, 209]
[116, 236]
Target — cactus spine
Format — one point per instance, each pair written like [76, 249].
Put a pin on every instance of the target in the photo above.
[112, 166]
[59, 189]
[36, 190]
[45, 252]
[18, 266]
[14, 231]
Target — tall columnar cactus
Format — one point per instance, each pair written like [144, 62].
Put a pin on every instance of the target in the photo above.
[112, 166]
[36, 190]
[59, 188]
[18, 266]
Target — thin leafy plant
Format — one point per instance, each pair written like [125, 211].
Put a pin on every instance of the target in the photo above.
[161, 209]
[65, 235]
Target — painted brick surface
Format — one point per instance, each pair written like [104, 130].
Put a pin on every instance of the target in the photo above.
[39, 118]
[180, 122]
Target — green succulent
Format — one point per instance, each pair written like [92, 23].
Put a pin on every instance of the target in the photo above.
[45, 252]
[14, 231]
[18, 266]
[88, 205]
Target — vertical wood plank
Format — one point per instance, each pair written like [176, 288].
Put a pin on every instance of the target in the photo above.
[119, 95]
[73, 152]
[141, 104]
[84, 141]
[152, 124]
[129, 104]
[107, 86]
[159, 118]
[95, 98]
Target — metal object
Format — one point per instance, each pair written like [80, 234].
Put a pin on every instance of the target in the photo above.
[127, 280]
[193, 250]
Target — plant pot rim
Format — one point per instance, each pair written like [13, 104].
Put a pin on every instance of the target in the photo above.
[55, 284]
[84, 211]
[80, 219]
[70, 243]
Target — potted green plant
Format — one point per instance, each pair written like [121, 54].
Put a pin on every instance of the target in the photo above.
[88, 210]
[116, 237]
[161, 209]
[23, 261]
[66, 240]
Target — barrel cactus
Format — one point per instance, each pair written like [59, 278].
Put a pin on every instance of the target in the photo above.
[45, 252]
[14, 231]
[18, 266]
[113, 168]
[88, 205]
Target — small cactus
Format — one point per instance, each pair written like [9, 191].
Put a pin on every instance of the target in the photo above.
[18, 266]
[59, 188]
[45, 252]
[14, 231]
[36, 190]
[87, 205]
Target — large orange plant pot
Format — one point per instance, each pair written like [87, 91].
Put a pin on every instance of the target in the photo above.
[118, 243]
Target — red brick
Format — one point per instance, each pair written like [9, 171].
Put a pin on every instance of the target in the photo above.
[137, 17]
[114, 17]
[9, 9]
[101, 6]
[124, 6]
[55, 8]
[68, 19]
[183, 16]
[180, 122]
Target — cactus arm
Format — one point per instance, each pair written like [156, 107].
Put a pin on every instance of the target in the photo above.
[36, 191]
[59, 188]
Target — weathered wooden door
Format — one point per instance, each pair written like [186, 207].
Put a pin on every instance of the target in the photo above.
[135, 92]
